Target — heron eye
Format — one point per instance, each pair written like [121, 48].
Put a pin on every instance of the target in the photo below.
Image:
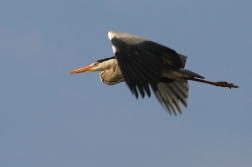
[96, 63]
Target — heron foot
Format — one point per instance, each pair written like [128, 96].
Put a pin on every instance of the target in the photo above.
[225, 84]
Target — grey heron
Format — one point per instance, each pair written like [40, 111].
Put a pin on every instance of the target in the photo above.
[144, 64]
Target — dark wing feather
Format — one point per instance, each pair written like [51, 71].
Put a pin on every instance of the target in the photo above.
[169, 95]
[141, 61]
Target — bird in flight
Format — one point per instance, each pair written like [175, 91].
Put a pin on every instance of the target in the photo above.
[144, 64]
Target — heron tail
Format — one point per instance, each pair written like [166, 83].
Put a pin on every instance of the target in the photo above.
[190, 73]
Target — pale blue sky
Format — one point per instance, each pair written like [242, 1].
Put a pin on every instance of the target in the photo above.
[49, 118]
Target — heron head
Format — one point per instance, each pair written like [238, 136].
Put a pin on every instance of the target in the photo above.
[90, 68]
[99, 65]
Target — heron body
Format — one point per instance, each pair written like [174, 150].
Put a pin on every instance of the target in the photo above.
[144, 64]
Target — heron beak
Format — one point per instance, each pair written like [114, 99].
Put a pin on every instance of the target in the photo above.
[82, 69]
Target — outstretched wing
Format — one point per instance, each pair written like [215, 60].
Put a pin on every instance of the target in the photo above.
[141, 61]
[169, 95]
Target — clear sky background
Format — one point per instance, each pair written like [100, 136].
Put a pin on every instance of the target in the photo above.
[49, 118]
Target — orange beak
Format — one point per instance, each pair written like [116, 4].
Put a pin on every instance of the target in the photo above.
[82, 69]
